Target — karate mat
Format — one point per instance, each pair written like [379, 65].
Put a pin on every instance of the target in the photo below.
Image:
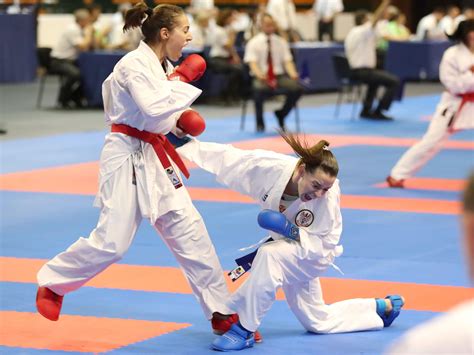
[395, 241]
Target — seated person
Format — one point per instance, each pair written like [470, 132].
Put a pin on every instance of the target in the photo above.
[271, 66]
[360, 47]
[76, 38]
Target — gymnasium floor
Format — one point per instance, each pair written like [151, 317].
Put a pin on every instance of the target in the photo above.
[395, 241]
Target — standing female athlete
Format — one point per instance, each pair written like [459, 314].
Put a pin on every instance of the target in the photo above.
[139, 173]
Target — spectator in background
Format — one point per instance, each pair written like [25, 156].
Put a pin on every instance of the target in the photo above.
[451, 332]
[223, 56]
[429, 26]
[76, 38]
[448, 22]
[200, 29]
[265, 48]
[284, 13]
[325, 11]
[394, 30]
[255, 22]
[467, 14]
[112, 35]
[360, 47]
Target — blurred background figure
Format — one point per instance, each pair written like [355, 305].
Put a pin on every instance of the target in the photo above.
[448, 22]
[429, 26]
[284, 13]
[451, 332]
[467, 14]
[223, 56]
[112, 37]
[201, 30]
[390, 28]
[325, 11]
[76, 38]
[360, 48]
[271, 66]
[255, 22]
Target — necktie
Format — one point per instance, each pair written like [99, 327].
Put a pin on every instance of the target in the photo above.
[271, 79]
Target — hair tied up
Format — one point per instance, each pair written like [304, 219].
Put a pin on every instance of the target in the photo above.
[326, 147]
[149, 11]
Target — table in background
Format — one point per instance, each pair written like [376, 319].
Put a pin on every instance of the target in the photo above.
[417, 60]
[18, 60]
[315, 64]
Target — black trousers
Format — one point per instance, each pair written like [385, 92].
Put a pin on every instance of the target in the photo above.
[70, 89]
[325, 28]
[286, 86]
[375, 78]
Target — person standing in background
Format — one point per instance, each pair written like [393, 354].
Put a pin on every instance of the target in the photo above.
[284, 13]
[429, 26]
[325, 11]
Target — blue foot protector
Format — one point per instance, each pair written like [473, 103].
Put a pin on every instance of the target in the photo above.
[177, 142]
[397, 304]
[236, 338]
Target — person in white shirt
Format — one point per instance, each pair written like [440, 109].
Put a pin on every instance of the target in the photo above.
[429, 26]
[112, 36]
[455, 110]
[453, 331]
[76, 38]
[448, 22]
[467, 14]
[360, 48]
[140, 173]
[223, 56]
[283, 75]
[200, 29]
[326, 10]
[284, 13]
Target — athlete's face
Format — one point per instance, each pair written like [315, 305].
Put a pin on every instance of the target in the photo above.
[177, 38]
[313, 185]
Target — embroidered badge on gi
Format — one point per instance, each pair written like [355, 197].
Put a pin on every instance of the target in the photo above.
[173, 178]
[304, 218]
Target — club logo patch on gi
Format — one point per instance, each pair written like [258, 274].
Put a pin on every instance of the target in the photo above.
[304, 218]
[173, 178]
[264, 198]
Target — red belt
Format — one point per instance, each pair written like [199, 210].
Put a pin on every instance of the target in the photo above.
[465, 98]
[162, 148]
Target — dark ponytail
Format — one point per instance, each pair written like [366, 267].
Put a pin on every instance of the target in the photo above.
[152, 21]
[135, 16]
[314, 157]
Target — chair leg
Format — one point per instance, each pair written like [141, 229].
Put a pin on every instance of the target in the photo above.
[354, 101]
[339, 100]
[40, 91]
[244, 114]
[297, 118]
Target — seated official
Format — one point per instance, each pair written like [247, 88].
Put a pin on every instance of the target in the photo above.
[76, 38]
[360, 47]
[271, 66]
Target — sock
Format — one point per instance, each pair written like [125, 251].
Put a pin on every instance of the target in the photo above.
[381, 306]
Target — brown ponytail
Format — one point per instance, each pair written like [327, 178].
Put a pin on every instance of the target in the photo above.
[314, 157]
[152, 21]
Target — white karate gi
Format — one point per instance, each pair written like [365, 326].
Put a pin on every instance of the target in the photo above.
[294, 266]
[457, 78]
[133, 184]
[449, 333]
